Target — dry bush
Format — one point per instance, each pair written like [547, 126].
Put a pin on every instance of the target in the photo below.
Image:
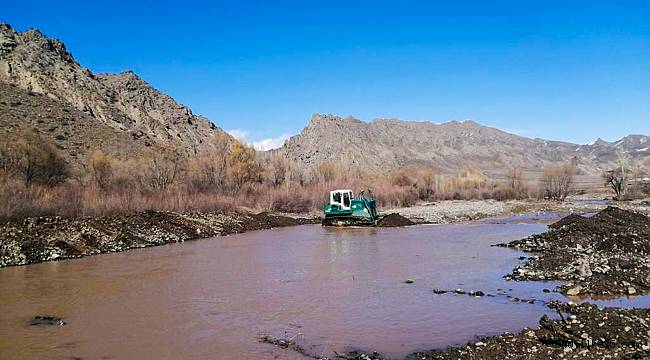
[401, 177]
[557, 181]
[100, 167]
[36, 161]
[9, 160]
[290, 202]
[327, 172]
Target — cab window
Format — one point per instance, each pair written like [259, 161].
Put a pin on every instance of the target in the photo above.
[337, 197]
[346, 199]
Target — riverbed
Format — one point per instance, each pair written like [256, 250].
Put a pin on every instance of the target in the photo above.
[333, 289]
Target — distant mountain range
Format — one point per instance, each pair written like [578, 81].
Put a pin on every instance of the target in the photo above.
[383, 145]
[41, 84]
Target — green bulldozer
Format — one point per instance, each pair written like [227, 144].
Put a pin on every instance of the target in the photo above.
[344, 210]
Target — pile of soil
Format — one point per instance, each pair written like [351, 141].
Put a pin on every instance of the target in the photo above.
[582, 332]
[40, 239]
[394, 220]
[606, 254]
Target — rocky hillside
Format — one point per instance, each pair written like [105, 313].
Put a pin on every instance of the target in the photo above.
[73, 131]
[382, 145]
[122, 102]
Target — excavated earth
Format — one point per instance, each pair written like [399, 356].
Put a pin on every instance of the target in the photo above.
[40, 239]
[606, 254]
[582, 332]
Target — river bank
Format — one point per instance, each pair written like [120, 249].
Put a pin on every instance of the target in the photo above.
[458, 211]
[34, 240]
[582, 332]
[605, 254]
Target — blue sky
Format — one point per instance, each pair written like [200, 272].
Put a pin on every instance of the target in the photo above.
[561, 70]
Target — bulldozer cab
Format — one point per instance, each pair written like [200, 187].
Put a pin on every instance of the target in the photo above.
[342, 198]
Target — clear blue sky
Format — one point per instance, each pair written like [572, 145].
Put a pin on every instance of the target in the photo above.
[562, 70]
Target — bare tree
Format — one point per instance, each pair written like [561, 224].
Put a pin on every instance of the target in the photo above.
[279, 169]
[618, 178]
[557, 181]
[161, 169]
[515, 182]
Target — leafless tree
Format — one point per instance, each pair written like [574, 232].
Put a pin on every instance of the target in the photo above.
[618, 177]
[279, 167]
[161, 169]
[557, 181]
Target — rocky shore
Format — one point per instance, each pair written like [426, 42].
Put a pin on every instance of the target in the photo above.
[40, 239]
[581, 332]
[606, 254]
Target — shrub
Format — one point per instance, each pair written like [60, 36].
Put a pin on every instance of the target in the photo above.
[100, 167]
[37, 161]
[291, 203]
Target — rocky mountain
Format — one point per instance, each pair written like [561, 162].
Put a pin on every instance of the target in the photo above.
[73, 131]
[383, 145]
[634, 146]
[122, 102]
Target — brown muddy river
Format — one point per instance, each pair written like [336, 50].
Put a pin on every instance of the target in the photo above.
[335, 289]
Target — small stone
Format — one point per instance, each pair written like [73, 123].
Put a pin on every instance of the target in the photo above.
[409, 281]
[574, 290]
[631, 291]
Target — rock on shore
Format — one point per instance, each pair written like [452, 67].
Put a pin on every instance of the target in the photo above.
[582, 332]
[606, 254]
[50, 238]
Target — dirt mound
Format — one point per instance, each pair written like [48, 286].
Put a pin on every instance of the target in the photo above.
[567, 220]
[394, 220]
[606, 254]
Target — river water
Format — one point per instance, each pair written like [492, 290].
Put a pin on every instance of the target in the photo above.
[333, 289]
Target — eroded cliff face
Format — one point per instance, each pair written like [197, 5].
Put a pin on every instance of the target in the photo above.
[122, 101]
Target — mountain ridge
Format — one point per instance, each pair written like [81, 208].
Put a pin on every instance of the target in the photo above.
[387, 144]
[122, 101]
